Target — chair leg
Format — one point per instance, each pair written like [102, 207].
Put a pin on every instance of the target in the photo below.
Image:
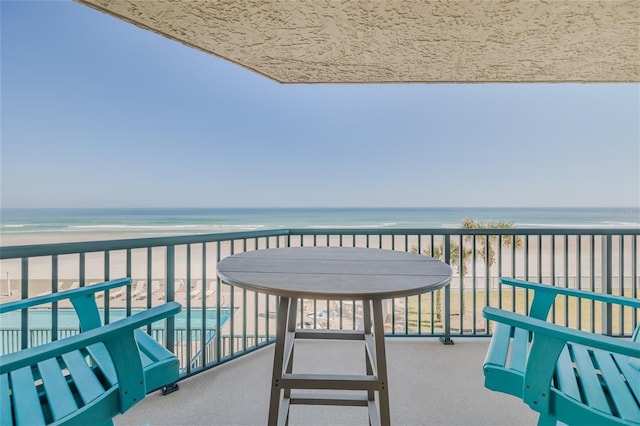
[544, 420]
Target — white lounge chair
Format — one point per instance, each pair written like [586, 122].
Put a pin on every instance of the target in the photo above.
[197, 289]
[44, 293]
[115, 294]
[212, 289]
[178, 287]
[138, 290]
[155, 287]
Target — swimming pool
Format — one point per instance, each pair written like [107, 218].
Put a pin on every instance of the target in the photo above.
[40, 319]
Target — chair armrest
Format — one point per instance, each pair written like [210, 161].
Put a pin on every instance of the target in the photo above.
[105, 334]
[544, 296]
[597, 341]
[77, 293]
[602, 297]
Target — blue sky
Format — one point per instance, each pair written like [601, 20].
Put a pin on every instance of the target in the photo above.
[97, 113]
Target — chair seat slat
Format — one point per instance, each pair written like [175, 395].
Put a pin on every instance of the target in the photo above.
[6, 416]
[150, 347]
[88, 385]
[519, 349]
[58, 393]
[26, 404]
[101, 357]
[621, 398]
[590, 383]
[145, 359]
[631, 374]
[566, 380]
[160, 366]
[499, 346]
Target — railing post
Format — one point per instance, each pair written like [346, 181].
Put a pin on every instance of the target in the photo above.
[170, 297]
[218, 342]
[128, 291]
[107, 267]
[82, 269]
[606, 283]
[54, 305]
[446, 339]
[24, 294]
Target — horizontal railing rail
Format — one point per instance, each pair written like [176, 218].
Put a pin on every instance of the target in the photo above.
[220, 322]
[12, 252]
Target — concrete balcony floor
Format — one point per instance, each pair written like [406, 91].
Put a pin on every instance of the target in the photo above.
[429, 384]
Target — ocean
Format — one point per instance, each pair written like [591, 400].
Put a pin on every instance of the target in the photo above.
[142, 222]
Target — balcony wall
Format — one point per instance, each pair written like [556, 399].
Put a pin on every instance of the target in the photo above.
[184, 269]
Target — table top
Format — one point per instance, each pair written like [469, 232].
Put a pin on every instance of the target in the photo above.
[334, 272]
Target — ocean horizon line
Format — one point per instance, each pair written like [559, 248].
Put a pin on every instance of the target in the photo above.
[312, 207]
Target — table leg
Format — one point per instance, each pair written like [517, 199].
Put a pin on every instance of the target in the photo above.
[446, 339]
[381, 362]
[291, 328]
[366, 311]
[278, 359]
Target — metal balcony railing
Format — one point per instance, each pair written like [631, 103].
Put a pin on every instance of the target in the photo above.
[220, 322]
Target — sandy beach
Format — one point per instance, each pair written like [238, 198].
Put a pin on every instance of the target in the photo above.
[537, 260]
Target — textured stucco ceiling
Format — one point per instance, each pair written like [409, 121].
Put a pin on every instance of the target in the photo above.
[321, 41]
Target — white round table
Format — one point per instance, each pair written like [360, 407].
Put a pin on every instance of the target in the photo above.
[332, 273]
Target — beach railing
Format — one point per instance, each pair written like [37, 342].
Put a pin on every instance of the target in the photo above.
[183, 269]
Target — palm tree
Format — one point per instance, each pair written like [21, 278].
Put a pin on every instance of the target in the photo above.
[482, 248]
[466, 253]
[487, 244]
[454, 255]
[454, 262]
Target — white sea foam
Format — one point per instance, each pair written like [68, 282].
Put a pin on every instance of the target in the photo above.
[605, 224]
[380, 225]
[118, 226]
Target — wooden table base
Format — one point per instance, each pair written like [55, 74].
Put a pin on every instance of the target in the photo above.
[373, 387]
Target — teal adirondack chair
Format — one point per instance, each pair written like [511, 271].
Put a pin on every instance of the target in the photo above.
[565, 375]
[88, 378]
